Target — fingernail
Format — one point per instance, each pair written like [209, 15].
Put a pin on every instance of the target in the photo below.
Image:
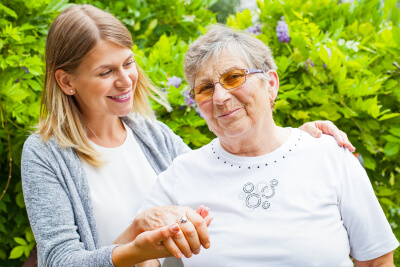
[174, 228]
[207, 245]
[197, 251]
[178, 255]
[188, 255]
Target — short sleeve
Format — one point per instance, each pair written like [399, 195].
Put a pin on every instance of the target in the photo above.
[162, 192]
[369, 232]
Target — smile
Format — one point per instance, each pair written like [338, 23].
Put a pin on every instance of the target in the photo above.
[229, 113]
[122, 97]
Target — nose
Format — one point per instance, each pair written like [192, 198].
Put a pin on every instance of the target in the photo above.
[123, 80]
[220, 94]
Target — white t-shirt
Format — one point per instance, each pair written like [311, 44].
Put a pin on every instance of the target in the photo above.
[118, 188]
[308, 203]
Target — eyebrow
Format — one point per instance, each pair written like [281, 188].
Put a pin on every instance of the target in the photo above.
[110, 66]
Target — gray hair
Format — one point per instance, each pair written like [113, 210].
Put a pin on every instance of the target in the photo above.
[254, 52]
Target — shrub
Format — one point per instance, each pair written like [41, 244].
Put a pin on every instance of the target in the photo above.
[333, 64]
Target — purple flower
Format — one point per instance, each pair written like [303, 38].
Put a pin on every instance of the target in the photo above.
[17, 80]
[282, 31]
[256, 29]
[174, 81]
[26, 69]
[309, 62]
[188, 100]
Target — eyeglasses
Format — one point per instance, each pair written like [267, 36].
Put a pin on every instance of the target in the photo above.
[230, 80]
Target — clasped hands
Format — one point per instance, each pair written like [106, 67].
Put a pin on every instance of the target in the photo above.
[174, 238]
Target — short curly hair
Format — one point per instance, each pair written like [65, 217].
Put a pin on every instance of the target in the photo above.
[219, 38]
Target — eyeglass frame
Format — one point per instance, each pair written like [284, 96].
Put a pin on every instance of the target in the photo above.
[246, 72]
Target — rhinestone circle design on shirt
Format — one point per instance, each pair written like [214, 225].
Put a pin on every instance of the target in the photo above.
[254, 195]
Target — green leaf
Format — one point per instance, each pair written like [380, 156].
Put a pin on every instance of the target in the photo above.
[8, 11]
[384, 192]
[388, 116]
[19, 199]
[389, 5]
[3, 254]
[395, 131]
[17, 252]
[152, 24]
[29, 236]
[369, 163]
[396, 35]
[3, 206]
[34, 85]
[391, 149]
[20, 241]
[386, 201]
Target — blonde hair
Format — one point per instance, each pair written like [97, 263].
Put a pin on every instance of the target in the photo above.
[209, 46]
[72, 35]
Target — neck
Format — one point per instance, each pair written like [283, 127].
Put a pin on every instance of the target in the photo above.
[106, 132]
[260, 141]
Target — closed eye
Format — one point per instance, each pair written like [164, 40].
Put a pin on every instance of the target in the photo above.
[103, 74]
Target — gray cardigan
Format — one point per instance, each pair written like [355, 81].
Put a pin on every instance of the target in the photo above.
[57, 199]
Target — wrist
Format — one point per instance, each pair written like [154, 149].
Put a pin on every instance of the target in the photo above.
[125, 255]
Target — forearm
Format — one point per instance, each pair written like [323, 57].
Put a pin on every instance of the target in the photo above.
[128, 235]
[126, 255]
[382, 261]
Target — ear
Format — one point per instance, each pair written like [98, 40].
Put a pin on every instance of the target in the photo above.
[273, 85]
[64, 81]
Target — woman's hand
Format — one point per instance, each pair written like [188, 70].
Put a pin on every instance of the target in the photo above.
[317, 128]
[193, 234]
[146, 246]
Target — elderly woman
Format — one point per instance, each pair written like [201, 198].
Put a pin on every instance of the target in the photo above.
[278, 196]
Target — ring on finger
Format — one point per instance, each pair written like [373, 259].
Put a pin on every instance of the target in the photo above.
[184, 219]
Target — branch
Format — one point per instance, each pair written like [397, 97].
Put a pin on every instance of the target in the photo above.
[9, 150]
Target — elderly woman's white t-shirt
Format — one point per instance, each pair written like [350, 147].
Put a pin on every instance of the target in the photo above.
[118, 188]
[308, 203]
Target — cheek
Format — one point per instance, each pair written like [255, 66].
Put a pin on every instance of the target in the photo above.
[206, 110]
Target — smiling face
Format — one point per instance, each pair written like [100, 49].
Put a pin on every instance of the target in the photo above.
[105, 81]
[239, 113]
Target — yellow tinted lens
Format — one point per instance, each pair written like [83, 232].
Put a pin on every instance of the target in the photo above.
[203, 92]
[233, 79]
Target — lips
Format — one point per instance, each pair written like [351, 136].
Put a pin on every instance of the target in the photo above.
[126, 96]
[226, 114]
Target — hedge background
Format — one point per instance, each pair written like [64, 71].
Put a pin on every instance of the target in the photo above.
[340, 64]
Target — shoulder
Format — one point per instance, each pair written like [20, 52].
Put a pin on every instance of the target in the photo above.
[137, 121]
[193, 158]
[326, 144]
[35, 145]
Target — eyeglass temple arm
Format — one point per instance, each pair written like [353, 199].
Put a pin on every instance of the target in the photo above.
[254, 71]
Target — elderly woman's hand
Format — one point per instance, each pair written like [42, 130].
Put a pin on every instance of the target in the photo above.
[193, 234]
[317, 128]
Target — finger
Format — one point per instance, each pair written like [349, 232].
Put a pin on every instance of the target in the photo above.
[170, 245]
[311, 128]
[208, 220]
[182, 243]
[204, 212]
[191, 235]
[164, 233]
[328, 127]
[346, 142]
[201, 227]
[199, 209]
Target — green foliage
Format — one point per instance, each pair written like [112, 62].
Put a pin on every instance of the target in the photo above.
[356, 42]
[352, 47]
